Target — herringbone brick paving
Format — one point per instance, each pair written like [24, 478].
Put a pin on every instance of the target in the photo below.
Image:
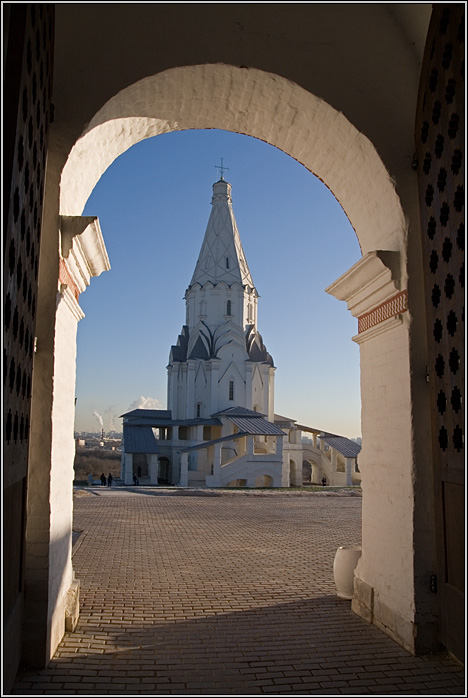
[211, 592]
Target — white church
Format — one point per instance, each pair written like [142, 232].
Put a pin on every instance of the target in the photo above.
[220, 428]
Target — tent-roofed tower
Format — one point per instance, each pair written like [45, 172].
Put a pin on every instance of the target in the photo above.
[220, 359]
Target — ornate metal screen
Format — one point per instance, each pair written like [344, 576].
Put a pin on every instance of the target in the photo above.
[27, 88]
[441, 155]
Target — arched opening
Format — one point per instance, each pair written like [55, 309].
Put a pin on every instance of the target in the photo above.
[264, 481]
[164, 106]
[164, 471]
[140, 466]
[327, 144]
[240, 482]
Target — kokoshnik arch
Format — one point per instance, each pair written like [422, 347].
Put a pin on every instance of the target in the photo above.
[336, 122]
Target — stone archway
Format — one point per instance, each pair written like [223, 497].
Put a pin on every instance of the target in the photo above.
[256, 104]
[275, 110]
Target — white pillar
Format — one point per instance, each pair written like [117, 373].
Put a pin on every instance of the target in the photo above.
[154, 469]
[217, 464]
[214, 385]
[248, 385]
[190, 403]
[390, 583]
[349, 471]
[264, 370]
[128, 474]
[271, 394]
[183, 470]
[171, 390]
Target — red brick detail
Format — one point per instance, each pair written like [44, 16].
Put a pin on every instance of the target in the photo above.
[393, 306]
[66, 278]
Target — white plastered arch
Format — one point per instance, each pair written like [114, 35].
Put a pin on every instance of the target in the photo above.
[254, 103]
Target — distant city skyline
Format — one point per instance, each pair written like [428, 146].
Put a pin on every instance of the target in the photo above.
[153, 204]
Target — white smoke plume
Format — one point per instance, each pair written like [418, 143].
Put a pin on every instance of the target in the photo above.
[145, 403]
[99, 418]
[111, 415]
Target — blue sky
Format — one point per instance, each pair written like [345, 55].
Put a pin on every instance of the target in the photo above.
[153, 204]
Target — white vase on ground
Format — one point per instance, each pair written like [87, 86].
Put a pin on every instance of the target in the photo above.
[346, 559]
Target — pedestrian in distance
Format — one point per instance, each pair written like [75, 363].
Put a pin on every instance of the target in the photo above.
[103, 480]
[324, 481]
[135, 480]
[109, 480]
[90, 479]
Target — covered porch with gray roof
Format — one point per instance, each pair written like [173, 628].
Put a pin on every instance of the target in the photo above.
[247, 460]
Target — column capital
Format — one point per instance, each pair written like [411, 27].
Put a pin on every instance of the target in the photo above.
[373, 293]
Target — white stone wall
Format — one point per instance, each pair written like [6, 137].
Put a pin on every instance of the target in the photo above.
[387, 482]
[63, 454]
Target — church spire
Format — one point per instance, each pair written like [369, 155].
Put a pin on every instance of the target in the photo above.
[221, 256]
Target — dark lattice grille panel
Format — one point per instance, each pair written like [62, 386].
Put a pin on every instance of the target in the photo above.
[22, 230]
[441, 153]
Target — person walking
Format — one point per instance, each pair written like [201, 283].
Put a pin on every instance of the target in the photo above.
[103, 480]
[109, 480]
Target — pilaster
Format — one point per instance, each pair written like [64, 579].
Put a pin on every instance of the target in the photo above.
[213, 367]
[248, 385]
[385, 574]
[190, 394]
[183, 470]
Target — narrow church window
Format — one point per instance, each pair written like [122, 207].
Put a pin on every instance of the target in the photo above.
[231, 390]
[198, 409]
[228, 308]
[227, 262]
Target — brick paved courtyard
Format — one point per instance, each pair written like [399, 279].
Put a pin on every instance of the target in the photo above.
[210, 592]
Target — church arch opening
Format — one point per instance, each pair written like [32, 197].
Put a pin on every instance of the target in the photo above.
[377, 221]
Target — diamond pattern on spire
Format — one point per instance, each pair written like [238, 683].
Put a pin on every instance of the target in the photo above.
[221, 256]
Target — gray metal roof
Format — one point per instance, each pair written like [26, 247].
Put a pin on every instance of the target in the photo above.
[206, 444]
[250, 422]
[279, 419]
[154, 422]
[256, 426]
[309, 430]
[347, 448]
[139, 439]
[238, 411]
[162, 418]
[159, 414]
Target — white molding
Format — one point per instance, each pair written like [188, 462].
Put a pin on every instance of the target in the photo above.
[382, 327]
[68, 297]
[83, 248]
[367, 284]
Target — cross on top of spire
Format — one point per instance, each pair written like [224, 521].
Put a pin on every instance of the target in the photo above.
[222, 168]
